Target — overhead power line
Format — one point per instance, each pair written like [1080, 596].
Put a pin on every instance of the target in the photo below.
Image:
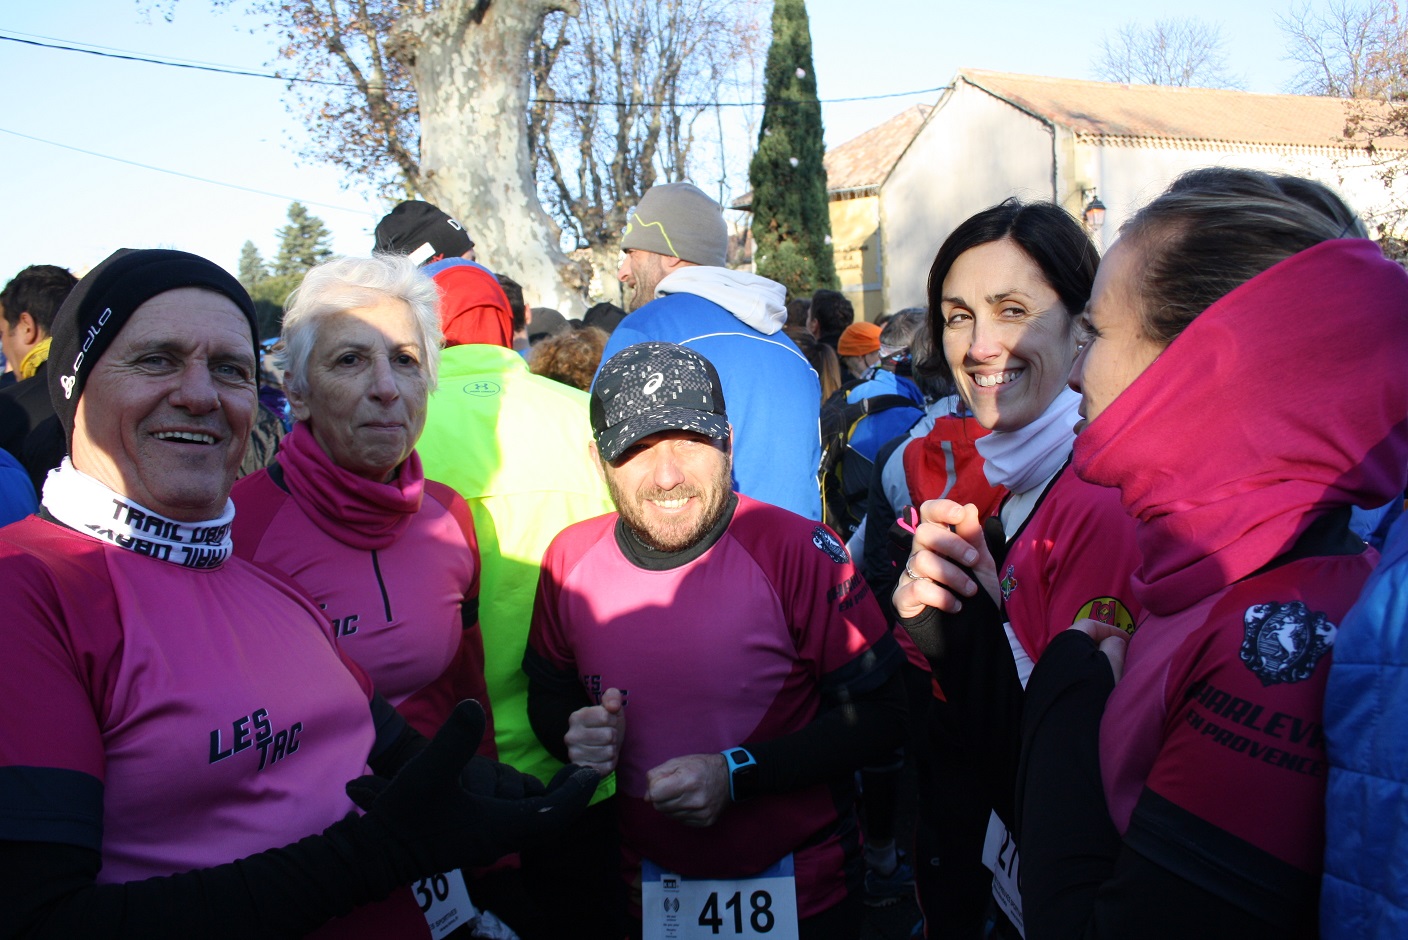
[189, 176]
[64, 46]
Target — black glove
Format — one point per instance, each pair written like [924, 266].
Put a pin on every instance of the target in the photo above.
[485, 777]
[433, 824]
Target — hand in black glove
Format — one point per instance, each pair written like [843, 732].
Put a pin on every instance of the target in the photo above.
[485, 777]
[441, 825]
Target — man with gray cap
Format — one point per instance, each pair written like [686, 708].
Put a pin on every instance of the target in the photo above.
[182, 725]
[722, 656]
[673, 255]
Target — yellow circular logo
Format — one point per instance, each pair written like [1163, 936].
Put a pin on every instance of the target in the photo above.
[1108, 610]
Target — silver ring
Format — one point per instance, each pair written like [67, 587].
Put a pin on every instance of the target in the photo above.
[912, 576]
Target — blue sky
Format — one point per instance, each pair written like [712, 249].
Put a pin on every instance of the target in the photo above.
[70, 208]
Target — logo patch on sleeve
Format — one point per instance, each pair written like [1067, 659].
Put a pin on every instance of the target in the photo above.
[1284, 642]
[824, 540]
[1108, 610]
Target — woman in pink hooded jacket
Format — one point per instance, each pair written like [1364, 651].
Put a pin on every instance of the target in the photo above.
[1243, 386]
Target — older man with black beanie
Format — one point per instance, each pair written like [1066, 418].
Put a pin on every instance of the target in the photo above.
[674, 252]
[178, 767]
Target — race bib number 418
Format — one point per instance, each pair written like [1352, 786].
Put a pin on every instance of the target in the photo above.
[677, 908]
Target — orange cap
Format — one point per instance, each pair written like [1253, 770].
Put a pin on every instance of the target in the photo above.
[859, 339]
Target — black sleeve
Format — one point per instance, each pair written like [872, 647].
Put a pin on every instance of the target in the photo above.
[859, 722]
[1080, 880]
[396, 741]
[972, 661]
[876, 564]
[43, 450]
[553, 695]
[49, 890]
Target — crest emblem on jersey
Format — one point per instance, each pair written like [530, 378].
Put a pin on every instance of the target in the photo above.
[1284, 642]
[1108, 610]
[824, 540]
[1008, 583]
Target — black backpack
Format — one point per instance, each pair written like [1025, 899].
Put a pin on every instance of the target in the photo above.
[845, 473]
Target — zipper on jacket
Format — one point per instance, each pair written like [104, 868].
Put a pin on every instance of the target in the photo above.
[385, 600]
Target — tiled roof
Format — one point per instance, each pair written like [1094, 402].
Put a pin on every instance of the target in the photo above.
[864, 161]
[1107, 109]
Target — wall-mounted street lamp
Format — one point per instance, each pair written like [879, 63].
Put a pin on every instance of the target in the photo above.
[1094, 213]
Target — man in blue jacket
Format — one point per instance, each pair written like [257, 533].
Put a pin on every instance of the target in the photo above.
[673, 254]
[1365, 891]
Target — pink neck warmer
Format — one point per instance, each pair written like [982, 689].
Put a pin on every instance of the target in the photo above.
[349, 508]
[1284, 399]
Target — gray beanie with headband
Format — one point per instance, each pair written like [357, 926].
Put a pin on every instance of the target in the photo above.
[678, 219]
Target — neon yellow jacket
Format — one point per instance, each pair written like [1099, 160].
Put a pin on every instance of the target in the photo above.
[514, 445]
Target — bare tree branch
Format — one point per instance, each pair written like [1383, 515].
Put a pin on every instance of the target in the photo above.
[1179, 52]
[1350, 49]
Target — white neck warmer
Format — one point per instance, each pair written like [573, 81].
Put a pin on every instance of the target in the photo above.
[86, 505]
[1022, 459]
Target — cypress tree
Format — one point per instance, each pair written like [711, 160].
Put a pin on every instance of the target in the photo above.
[791, 219]
[303, 243]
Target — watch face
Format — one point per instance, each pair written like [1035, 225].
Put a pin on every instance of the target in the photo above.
[743, 782]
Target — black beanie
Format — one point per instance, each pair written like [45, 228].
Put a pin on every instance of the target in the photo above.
[105, 299]
[423, 232]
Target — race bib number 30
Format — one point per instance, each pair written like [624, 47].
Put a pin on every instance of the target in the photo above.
[677, 908]
[445, 902]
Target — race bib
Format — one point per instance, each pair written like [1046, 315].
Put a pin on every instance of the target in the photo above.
[677, 908]
[1000, 858]
[445, 902]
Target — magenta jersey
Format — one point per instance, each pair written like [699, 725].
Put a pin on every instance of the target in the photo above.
[173, 718]
[396, 610]
[1073, 559]
[732, 647]
[1219, 707]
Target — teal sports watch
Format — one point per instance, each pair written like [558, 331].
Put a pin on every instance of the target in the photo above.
[742, 773]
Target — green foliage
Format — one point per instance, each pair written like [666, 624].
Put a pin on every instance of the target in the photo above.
[252, 269]
[791, 219]
[303, 243]
[269, 295]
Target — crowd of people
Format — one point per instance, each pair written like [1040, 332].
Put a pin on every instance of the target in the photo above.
[445, 615]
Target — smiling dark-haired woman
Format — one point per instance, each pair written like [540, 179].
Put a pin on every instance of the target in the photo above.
[1005, 293]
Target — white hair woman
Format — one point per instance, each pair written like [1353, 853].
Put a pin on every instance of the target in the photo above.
[345, 510]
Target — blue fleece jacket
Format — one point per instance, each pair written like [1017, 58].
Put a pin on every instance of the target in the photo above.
[1365, 890]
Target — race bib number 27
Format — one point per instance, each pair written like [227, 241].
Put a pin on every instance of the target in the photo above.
[677, 908]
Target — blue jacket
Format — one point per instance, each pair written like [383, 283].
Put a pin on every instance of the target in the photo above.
[882, 427]
[1365, 891]
[771, 393]
[16, 492]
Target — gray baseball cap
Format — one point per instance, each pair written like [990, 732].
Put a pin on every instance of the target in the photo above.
[652, 387]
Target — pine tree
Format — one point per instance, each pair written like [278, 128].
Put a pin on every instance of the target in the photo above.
[791, 219]
[252, 269]
[303, 243]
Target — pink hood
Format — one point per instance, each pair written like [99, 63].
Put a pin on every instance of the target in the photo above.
[1286, 398]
